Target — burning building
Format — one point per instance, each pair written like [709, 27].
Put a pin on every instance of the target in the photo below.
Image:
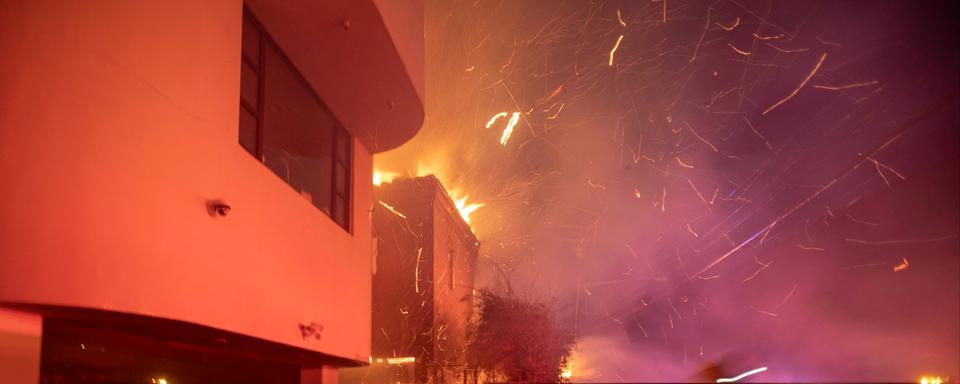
[185, 194]
[424, 262]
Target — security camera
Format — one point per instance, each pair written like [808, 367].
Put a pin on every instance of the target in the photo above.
[217, 208]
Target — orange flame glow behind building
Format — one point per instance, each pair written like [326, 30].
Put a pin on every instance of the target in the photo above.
[577, 368]
[380, 177]
[465, 209]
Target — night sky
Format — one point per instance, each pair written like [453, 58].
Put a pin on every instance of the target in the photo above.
[739, 183]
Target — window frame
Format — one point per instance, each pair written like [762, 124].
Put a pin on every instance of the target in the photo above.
[341, 158]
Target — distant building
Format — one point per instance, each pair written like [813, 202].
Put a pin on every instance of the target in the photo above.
[185, 189]
[425, 257]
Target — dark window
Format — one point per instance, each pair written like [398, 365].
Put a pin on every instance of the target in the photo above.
[285, 125]
[450, 268]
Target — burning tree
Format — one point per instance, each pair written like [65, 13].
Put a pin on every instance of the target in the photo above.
[518, 340]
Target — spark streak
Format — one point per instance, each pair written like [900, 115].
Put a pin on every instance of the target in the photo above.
[824, 42]
[856, 220]
[494, 119]
[664, 11]
[391, 209]
[742, 375]
[714, 148]
[702, 34]
[800, 86]
[694, 187]
[614, 50]
[621, 19]
[768, 313]
[682, 164]
[899, 132]
[848, 86]
[902, 266]
[790, 294]
[596, 185]
[509, 129]
[553, 94]
[663, 200]
[735, 249]
[416, 274]
[809, 248]
[674, 308]
[882, 176]
[757, 272]
[738, 50]
[879, 164]
[774, 37]
[557, 113]
[787, 50]
[905, 241]
[641, 327]
[731, 27]
[758, 133]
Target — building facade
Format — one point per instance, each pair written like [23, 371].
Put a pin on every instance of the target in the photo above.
[185, 188]
[424, 265]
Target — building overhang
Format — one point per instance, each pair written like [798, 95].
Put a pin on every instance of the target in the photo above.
[364, 59]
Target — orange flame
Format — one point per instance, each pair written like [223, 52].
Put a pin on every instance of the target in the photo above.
[380, 177]
[464, 208]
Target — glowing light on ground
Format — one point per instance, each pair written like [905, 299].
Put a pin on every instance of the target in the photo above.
[742, 375]
[568, 370]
